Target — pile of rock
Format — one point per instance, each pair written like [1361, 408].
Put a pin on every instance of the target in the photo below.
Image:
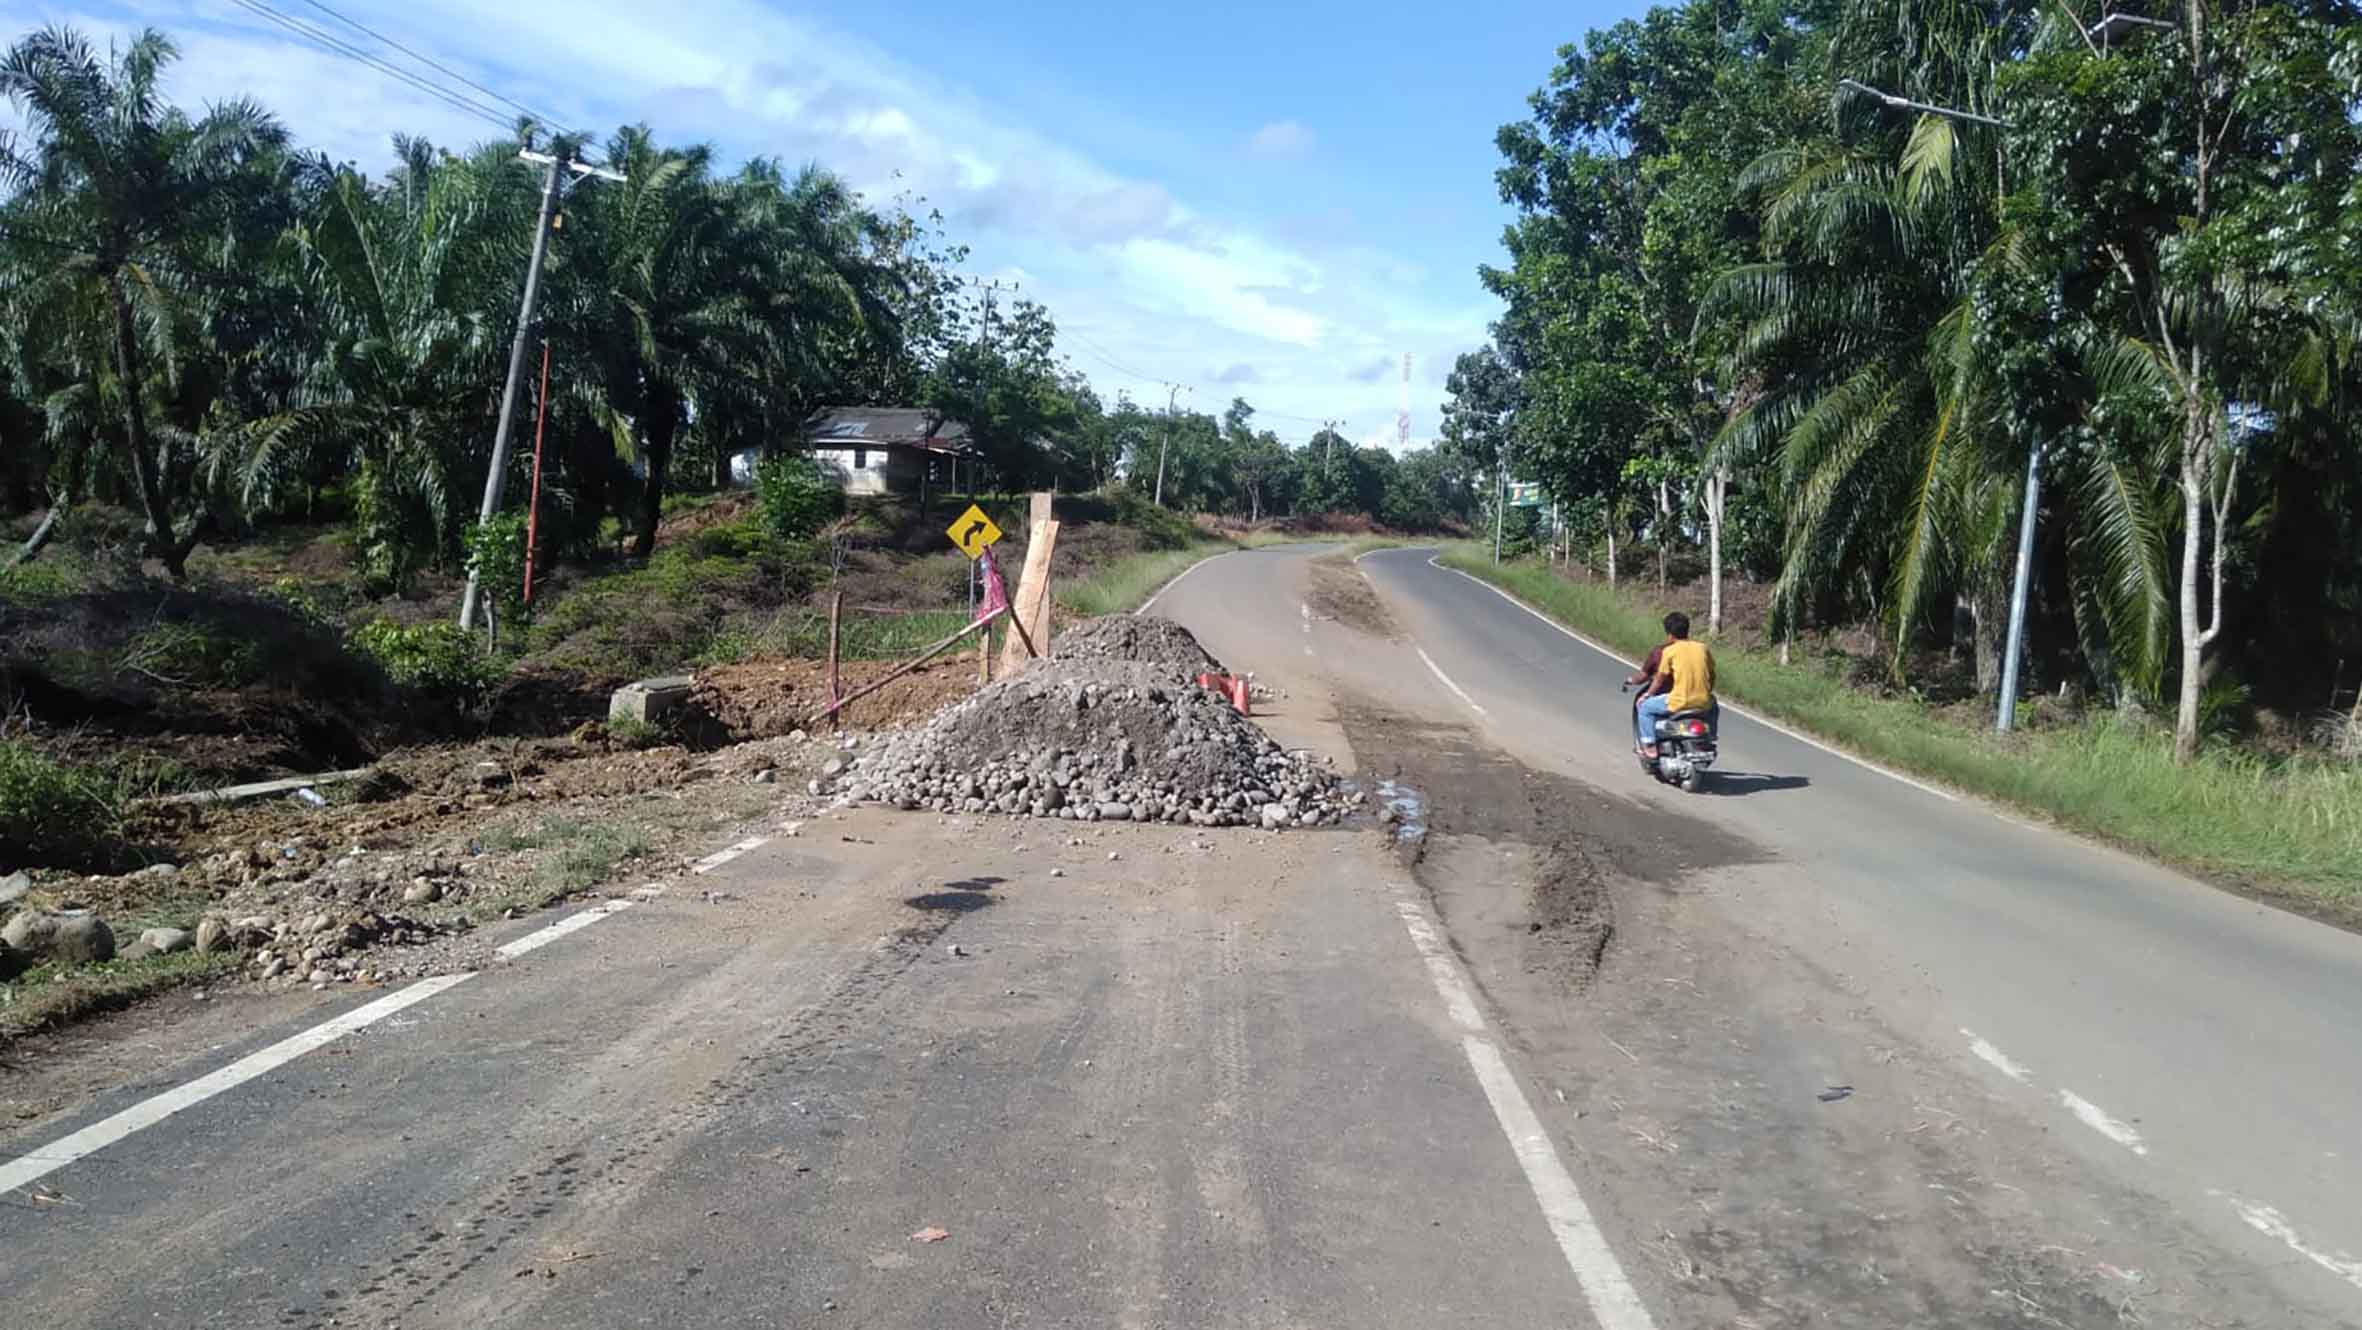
[1098, 741]
[1131, 637]
[319, 948]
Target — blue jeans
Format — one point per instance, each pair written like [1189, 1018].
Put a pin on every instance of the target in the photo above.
[1653, 709]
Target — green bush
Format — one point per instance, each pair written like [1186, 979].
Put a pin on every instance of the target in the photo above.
[53, 813]
[796, 497]
[496, 558]
[27, 583]
[1159, 529]
[432, 657]
[194, 654]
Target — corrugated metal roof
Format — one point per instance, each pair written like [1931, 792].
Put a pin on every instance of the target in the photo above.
[889, 426]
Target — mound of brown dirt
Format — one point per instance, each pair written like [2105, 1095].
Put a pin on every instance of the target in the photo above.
[768, 698]
[1132, 637]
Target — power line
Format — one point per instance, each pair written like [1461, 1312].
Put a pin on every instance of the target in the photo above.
[441, 68]
[1093, 349]
[457, 101]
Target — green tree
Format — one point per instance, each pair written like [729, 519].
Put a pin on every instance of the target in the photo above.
[2188, 192]
[124, 186]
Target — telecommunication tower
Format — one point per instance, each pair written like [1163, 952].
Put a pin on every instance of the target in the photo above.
[1402, 418]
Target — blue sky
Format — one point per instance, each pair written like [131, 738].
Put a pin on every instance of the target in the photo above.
[1275, 201]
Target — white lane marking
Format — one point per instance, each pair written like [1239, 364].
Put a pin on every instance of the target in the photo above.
[2094, 1117]
[573, 923]
[30, 1168]
[1456, 997]
[1150, 603]
[2007, 1066]
[542, 937]
[1615, 1304]
[27, 1169]
[719, 857]
[1437, 670]
[1765, 721]
[2272, 1224]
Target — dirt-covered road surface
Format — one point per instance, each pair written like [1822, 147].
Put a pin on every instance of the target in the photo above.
[1547, 1046]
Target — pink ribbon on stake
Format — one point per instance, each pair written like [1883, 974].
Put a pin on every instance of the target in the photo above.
[996, 592]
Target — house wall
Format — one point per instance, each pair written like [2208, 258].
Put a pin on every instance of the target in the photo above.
[859, 470]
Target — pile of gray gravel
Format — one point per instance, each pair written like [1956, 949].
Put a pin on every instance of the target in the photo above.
[1096, 741]
[1131, 637]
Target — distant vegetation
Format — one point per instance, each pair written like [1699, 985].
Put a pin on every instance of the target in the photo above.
[207, 324]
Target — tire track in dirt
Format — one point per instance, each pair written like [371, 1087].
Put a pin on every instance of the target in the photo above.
[595, 1174]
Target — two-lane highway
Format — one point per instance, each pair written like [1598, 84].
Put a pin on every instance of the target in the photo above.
[2198, 1045]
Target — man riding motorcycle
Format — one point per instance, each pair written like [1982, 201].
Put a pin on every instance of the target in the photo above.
[1677, 677]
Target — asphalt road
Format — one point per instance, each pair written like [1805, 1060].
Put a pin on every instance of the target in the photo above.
[2217, 1035]
[1586, 1053]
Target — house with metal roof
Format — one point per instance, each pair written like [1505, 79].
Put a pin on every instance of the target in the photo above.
[881, 450]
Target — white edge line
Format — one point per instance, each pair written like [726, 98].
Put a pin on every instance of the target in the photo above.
[2094, 1117]
[2007, 1066]
[2272, 1224]
[1437, 671]
[1766, 722]
[29, 1168]
[573, 923]
[1150, 603]
[719, 857]
[1456, 998]
[1614, 1303]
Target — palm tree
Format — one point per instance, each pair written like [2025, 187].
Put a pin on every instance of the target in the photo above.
[820, 299]
[655, 284]
[124, 184]
[400, 386]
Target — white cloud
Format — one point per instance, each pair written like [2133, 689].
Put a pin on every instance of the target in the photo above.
[1158, 286]
[1280, 138]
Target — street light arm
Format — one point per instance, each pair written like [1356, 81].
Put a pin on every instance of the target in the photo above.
[1906, 104]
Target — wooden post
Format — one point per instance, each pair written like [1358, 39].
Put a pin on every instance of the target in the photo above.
[907, 666]
[836, 612]
[1030, 615]
[984, 657]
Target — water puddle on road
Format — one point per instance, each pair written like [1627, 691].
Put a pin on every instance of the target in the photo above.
[1408, 809]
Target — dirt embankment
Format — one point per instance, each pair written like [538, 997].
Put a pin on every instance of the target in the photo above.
[768, 698]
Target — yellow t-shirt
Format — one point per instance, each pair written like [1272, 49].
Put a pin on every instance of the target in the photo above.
[1692, 668]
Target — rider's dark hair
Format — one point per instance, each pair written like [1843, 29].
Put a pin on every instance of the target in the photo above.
[1677, 624]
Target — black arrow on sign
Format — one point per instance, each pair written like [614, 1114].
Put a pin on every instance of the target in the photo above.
[975, 529]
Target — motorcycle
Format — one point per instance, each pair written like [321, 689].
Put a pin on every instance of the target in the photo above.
[1685, 749]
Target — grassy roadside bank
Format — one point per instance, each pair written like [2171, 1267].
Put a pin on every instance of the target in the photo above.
[2288, 829]
[1126, 585]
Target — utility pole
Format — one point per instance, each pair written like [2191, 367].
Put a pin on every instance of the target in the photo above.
[1170, 398]
[2019, 589]
[2018, 592]
[495, 479]
[1500, 495]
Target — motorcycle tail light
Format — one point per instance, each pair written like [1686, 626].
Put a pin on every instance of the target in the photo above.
[1695, 729]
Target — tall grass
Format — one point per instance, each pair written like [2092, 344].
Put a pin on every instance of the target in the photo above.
[51, 812]
[2295, 822]
[1127, 583]
[801, 631]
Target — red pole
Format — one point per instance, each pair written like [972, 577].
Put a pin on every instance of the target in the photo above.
[533, 506]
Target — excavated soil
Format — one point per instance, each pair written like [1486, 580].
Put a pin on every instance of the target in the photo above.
[1338, 591]
[767, 699]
